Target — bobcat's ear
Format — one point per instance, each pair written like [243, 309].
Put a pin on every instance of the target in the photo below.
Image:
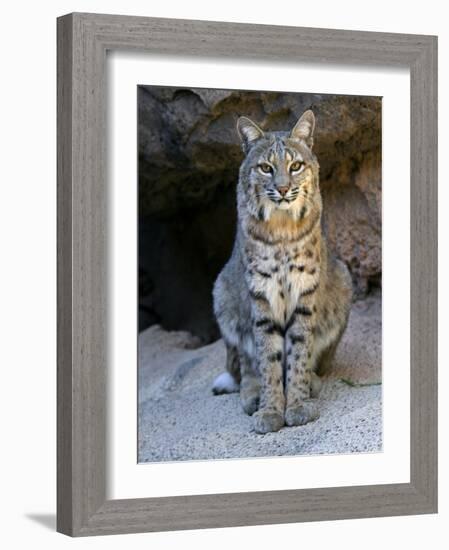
[304, 128]
[249, 132]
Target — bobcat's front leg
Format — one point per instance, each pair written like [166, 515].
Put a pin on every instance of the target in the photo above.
[299, 341]
[269, 343]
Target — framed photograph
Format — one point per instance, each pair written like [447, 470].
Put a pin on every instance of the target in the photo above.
[247, 274]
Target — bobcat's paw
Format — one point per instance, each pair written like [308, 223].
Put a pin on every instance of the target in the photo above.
[250, 403]
[298, 415]
[250, 394]
[267, 420]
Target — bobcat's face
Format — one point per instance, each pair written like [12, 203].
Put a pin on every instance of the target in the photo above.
[278, 168]
[281, 174]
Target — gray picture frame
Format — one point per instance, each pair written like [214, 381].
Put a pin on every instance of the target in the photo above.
[83, 40]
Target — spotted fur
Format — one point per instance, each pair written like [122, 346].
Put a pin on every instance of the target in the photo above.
[281, 301]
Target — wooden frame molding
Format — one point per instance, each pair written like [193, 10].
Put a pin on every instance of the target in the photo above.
[83, 40]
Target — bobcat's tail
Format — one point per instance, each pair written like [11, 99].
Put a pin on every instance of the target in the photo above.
[225, 383]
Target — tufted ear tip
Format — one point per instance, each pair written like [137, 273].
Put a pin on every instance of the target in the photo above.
[304, 128]
[248, 132]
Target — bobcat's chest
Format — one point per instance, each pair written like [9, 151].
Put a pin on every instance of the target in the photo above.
[282, 277]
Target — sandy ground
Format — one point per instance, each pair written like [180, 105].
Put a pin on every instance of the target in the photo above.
[180, 419]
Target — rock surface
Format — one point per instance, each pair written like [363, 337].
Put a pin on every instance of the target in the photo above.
[180, 419]
[189, 156]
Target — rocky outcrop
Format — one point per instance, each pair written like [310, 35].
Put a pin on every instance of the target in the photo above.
[189, 156]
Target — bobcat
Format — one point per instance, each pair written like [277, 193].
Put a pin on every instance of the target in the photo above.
[281, 301]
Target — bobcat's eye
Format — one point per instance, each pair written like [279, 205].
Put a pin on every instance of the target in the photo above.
[266, 168]
[296, 166]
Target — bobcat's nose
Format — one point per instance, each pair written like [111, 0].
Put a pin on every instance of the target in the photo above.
[283, 190]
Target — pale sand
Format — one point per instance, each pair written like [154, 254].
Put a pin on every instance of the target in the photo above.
[180, 419]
